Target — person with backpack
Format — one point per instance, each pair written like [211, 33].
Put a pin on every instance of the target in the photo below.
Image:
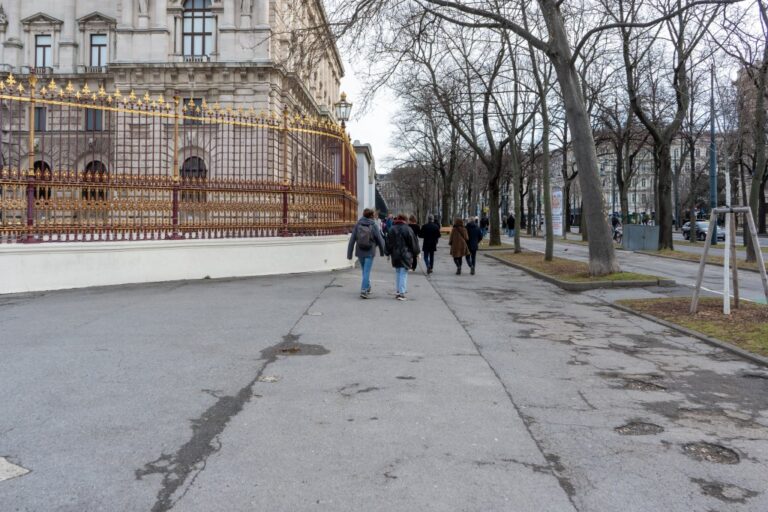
[365, 238]
[474, 234]
[430, 232]
[458, 243]
[402, 247]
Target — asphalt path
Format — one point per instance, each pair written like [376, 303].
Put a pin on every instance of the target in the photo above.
[492, 392]
[683, 272]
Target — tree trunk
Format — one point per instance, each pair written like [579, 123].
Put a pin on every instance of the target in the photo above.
[549, 243]
[516, 193]
[493, 207]
[602, 257]
[662, 154]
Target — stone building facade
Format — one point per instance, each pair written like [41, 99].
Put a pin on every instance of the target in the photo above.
[260, 53]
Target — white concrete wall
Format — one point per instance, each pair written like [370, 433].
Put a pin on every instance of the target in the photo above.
[38, 267]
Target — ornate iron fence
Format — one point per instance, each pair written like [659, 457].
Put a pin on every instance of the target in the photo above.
[84, 165]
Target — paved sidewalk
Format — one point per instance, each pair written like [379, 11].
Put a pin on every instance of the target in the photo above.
[492, 392]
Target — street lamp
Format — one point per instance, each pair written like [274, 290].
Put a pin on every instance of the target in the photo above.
[343, 109]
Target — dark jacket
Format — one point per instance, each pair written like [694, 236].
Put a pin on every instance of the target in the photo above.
[416, 229]
[511, 222]
[402, 245]
[430, 232]
[484, 223]
[378, 240]
[475, 234]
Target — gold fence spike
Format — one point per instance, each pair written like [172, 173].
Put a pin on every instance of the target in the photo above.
[86, 90]
[70, 88]
[132, 96]
[160, 100]
[146, 97]
[52, 85]
[20, 87]
[10, 80]
[118, 95]
[102, 92]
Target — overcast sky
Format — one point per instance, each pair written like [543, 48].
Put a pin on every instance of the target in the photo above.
[373, 126]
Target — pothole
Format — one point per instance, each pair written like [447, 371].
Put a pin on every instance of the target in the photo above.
[755, 376]
[642, 385]
[639, 428]
[724, 492]
[710, 452]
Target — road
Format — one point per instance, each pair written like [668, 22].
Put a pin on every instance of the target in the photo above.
[683, 272]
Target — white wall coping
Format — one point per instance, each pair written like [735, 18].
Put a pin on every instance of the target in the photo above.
[63, 265]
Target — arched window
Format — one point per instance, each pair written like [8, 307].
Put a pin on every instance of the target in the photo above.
[43, 173]
[95, 174]
[193, 170]
[197, 30]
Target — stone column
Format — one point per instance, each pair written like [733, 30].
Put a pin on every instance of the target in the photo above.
[144, 7]
[262, 12]
[161, 13]
[68, 44]
[127, 14]
[227, 16]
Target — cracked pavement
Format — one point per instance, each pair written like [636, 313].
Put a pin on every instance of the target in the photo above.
[493, 392]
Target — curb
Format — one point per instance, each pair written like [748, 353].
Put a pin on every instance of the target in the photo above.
[755, 358]
[647, 253]
[582, 287]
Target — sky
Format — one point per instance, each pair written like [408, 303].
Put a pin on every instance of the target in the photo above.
[372, 126]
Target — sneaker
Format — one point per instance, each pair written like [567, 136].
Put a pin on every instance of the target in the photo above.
[472, 270]
[400, 297]
[363, 295]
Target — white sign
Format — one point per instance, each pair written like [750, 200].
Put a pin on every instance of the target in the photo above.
[557, 211]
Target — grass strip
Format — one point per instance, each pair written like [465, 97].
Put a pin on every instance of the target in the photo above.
[711, 259]
[567, 270]
[746, 327]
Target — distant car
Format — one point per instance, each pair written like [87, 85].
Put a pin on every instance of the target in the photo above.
[701, 231]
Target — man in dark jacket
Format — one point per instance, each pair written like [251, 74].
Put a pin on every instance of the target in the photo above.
[511, 225]
[366, 237]
[475, 235]
[484, 223]
[430, 232]
[402, 247]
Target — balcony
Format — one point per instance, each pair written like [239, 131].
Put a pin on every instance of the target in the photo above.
[41, 71]
[95, 69]
[197, 58]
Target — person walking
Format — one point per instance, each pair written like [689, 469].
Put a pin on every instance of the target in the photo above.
[365, 238]
[402, 248]
[413, 223]
[511, 226]
[458, 243]
[474, 234]
[430, 232]
[484, 224]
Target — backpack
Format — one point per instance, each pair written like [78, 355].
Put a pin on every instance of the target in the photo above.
[365, 236]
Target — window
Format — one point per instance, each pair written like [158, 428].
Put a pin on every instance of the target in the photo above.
[698, 152]
[197, 30]
[39, 119]
[94, 120]
[43, 172]
[98, 50]
[96, 173]
[193, 168]
[194, 108]
[43, 51]
[642, 183]
[643, 198]
[677, 153]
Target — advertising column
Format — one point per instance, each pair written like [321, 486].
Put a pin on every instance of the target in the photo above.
[557, 211]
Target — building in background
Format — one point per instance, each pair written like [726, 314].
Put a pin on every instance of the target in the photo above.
[264, 54]
[366, 177]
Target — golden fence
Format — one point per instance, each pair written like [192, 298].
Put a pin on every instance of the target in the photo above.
[84, 165]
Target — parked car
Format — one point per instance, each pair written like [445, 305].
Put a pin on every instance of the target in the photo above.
[701, 231]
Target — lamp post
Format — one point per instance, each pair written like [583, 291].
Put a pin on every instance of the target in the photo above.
[712, 152]
[343, 108]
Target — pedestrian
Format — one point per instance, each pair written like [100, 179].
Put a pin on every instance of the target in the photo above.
[458, 243]
[402, 248]
[413, 223]
[484, 223]
[474, 235]
[511, 225]
[430, 232]
[365, 238]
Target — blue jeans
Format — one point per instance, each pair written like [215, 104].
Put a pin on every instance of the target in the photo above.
[401, 280]
[429, 258]
[365, 265]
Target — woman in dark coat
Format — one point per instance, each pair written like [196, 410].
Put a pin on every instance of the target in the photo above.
[458, 243]
[475, 234]
[430, 232]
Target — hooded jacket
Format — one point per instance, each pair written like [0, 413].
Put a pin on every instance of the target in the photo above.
[378, 240]
[402, 245]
